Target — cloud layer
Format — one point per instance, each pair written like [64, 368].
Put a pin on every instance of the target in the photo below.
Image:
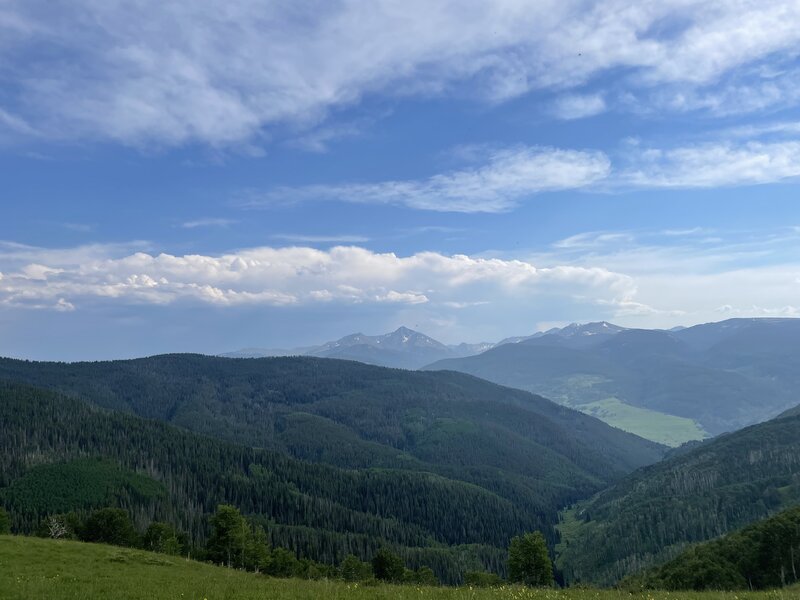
[506, 177]
[292, 276]
[189, 71]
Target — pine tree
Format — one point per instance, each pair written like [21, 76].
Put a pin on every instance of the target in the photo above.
[529, 562]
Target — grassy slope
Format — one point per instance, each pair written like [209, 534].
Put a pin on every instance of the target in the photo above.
[40, 569]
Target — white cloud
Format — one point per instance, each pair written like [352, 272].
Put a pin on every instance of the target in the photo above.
[712, 164]
[575, 106]
[188, 71]
[208, 222]
[593, 239]
[507, 177]
[293, 276]
[320, 239]
[687, 279]
[753, 93]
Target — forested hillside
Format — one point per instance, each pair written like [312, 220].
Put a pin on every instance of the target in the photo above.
[59, 454]
[763, 555]
[696, 495]
[524, 448]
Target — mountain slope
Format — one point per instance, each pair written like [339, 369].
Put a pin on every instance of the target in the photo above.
[696, 495]
[56, 453]
[516, 446]
[763, 555]
[709, 375]
[246, 401]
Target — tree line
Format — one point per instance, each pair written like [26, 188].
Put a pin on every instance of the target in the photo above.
[241, 543]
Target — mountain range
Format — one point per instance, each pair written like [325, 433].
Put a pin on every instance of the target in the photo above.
[669, 386]
[403, 348]
[337, 457]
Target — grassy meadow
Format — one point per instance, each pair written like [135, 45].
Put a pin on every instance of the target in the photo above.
[39, 569]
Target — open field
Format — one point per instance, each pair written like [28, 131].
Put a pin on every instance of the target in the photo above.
[649, 424]
[38, 569]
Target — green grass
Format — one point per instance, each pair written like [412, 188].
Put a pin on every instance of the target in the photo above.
[37, 569]
[649, 424]
[586, 393]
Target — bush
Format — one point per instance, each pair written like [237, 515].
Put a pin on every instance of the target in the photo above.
[353, 569]
[481, 579]
[110, 526]
[388, 566]
[164, 538]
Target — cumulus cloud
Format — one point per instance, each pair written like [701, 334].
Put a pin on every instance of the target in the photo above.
[181, 72]
[294, 276]
[508, 176]
[682, 277]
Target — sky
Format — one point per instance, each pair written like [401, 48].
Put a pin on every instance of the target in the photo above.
[197, 176]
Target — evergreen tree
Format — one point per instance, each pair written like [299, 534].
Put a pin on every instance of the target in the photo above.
[529, 562]
[110, 526]
[228, 540]
[388, 566]
[5, 522]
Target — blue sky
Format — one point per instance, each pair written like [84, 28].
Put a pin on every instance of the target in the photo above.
[191, 178]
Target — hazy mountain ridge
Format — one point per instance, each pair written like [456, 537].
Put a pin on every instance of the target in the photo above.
[709, 373]
[410, 349]
[403, 348]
